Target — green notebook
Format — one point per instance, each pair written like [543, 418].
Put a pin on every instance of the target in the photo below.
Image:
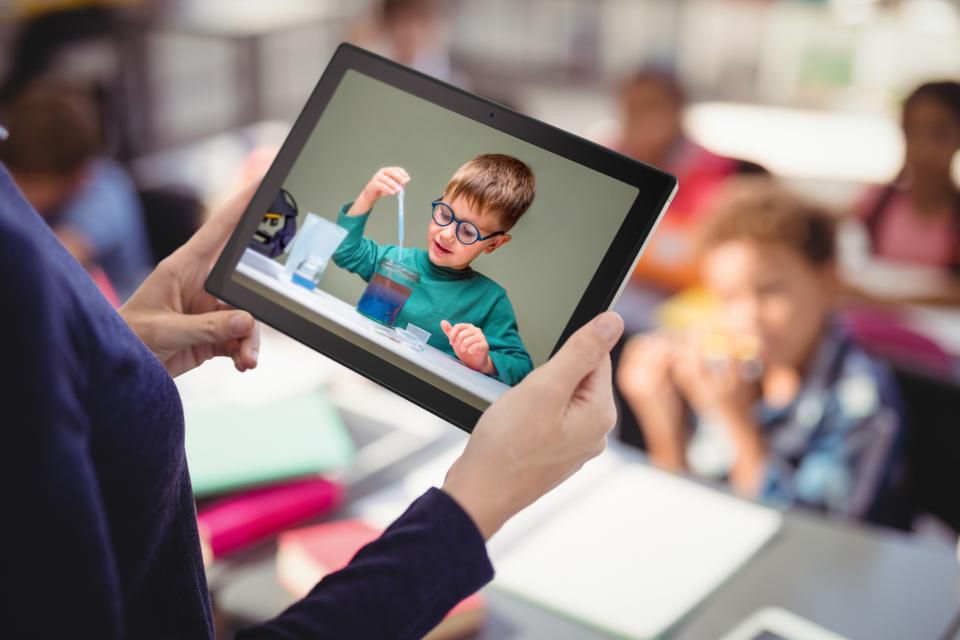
[231, 447]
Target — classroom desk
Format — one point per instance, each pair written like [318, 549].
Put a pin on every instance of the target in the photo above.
[864, 583]
[270, 274]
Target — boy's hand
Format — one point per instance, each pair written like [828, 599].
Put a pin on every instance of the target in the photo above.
[714, 387]
[388, 181]
[470, 345]
[644, 377]
[718, 389]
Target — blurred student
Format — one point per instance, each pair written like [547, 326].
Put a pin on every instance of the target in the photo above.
[89, 200]
[415, 33]
[775, 397]
[916, 218]
[651, 104]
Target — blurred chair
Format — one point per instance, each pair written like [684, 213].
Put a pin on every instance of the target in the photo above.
[171, 216]
[881, 333]
[930, 481]
[928, 470]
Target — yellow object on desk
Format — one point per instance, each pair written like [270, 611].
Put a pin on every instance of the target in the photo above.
[695, 314]
[693, 309]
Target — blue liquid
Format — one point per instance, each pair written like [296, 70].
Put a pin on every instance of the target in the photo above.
[400, 219]
[383, 299]
[304, 282]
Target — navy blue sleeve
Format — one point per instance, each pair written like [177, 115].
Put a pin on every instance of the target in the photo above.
[398, 586]
[54, 532]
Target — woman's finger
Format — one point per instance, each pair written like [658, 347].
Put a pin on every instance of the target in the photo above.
[210, 239]
[249, 348]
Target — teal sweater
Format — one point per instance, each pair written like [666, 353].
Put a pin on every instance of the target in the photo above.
[457, 295]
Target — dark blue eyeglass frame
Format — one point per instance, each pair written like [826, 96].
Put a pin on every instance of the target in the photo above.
[454, 219]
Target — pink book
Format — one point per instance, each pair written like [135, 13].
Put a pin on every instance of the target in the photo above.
[243, 519]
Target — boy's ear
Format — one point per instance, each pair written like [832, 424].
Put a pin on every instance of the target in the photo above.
[499, 242]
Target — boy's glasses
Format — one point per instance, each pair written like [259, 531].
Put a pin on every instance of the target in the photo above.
[467, 232]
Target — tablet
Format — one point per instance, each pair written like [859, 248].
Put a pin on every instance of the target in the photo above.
[774, 623]
[509, 235]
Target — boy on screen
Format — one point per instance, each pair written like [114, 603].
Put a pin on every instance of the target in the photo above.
[467, 314]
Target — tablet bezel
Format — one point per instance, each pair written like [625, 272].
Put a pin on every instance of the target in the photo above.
[655, 190]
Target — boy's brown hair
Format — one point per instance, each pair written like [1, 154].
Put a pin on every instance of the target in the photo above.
[52, 131]
[760, 211]
[495, 182]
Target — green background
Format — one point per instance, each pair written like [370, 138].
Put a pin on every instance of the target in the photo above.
[556, 246]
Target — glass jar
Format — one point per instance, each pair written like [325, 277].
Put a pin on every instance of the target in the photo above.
[387, 292]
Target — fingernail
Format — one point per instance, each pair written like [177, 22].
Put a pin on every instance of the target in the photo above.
[605, 326]
[255, 354]
[240, 324]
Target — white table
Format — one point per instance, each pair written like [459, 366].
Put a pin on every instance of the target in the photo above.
[272, 275]
[859, 581]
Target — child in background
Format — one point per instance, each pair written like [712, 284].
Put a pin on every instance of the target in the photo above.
[797, 412]
[53, 154]
[415, 33]
[468, 315]
[916, 218]
[652, 104]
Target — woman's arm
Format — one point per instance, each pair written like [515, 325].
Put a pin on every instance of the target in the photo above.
[398, 586]
[534, 437]
[59, 571]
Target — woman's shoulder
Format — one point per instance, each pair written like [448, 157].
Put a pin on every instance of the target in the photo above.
[25, 245]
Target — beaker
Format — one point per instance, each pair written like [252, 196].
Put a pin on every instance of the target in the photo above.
[387, 292]
[310, 271]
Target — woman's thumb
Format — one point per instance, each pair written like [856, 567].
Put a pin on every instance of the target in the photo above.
[583, 352]
[215, 327]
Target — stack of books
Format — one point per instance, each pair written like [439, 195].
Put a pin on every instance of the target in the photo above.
[260, 469]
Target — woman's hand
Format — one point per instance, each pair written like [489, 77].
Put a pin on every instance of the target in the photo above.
[540, 432]
[645, 378]
[182, 324]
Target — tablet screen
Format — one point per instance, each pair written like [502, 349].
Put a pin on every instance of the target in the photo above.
[494, 251]
[468, 276]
